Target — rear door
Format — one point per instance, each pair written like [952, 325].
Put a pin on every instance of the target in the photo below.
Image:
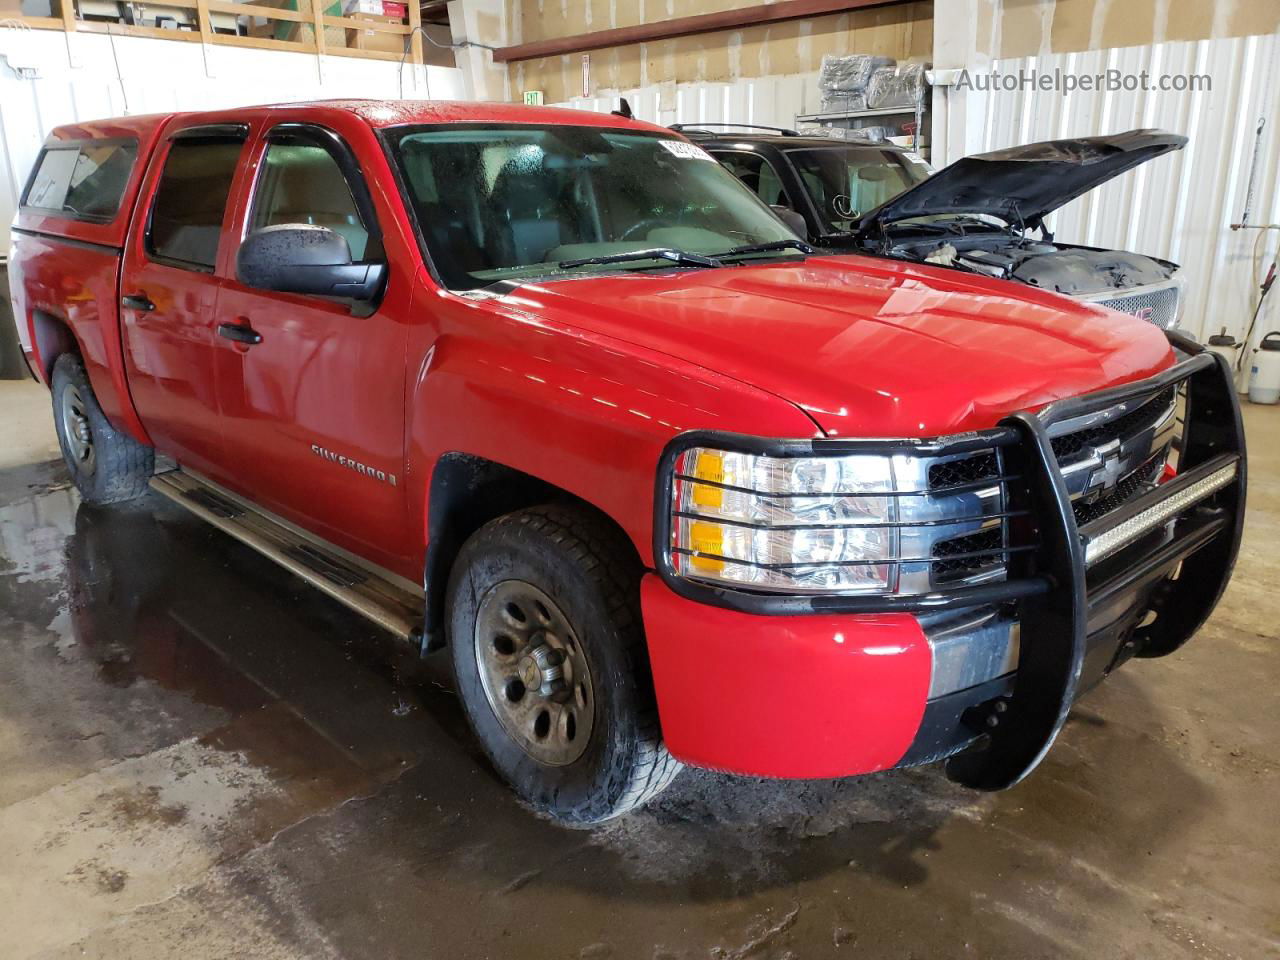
[169, 291]
[314, 413]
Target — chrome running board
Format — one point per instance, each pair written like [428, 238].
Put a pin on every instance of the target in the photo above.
[378, 595]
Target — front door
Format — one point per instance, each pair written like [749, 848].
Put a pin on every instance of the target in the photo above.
[314, 409]
[169, 289]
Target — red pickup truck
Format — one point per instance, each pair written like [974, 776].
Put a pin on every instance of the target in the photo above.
[555, 391]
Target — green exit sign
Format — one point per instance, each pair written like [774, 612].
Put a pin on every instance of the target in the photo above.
[533, 98]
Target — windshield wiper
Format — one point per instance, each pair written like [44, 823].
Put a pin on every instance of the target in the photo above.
[682, 257]
[766, 248]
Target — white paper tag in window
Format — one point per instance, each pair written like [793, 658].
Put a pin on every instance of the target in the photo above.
[916, 158]
[686, 151]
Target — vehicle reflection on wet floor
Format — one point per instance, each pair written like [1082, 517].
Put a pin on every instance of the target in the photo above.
[202, 755]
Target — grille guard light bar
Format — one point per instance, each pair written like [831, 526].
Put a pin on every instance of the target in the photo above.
[1170, 500]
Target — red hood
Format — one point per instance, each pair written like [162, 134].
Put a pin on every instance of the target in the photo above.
[868, 347]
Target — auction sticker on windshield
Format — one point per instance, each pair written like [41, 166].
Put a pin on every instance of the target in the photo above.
[687, 151]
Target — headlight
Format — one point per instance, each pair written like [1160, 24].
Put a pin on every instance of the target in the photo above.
[795, 524]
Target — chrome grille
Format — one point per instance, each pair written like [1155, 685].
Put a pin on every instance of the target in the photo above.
[1070, 444]
[1158, 306]
[1106, 461]
[1140, 480]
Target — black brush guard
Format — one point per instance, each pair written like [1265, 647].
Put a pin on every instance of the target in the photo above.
[1050, 586]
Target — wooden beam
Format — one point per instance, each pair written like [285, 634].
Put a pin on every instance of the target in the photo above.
[415, 32]
[68, 15]
[264, 43]
[366, 54]
[257, 10]
[203, 20]
[317, 29]
[685, 26]
[42, 23]
[132, 30]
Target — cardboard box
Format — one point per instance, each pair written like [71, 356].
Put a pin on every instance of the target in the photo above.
[376, 39]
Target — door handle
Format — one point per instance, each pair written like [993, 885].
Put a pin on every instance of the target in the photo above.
[240, 333]
[137, 301]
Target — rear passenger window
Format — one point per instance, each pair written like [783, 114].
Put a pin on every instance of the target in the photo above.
[190, 200]
[82, 181]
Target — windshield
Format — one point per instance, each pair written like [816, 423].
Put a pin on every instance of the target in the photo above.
[515, 202]
[846, 182]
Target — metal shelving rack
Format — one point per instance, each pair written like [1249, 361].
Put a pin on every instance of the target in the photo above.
[848, 119]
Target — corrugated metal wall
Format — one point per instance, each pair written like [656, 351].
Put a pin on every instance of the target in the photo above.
[770, 100]
[85, 77]
[1178, 207]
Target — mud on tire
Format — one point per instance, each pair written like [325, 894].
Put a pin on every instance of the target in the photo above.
[587, 571]
[107, 466]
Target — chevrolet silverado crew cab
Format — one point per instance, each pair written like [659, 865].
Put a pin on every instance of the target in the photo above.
[557, 392]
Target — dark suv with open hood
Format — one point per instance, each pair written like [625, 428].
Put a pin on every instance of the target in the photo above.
[983, 214]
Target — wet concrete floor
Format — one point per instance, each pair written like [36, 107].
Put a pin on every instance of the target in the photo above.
[201, 757]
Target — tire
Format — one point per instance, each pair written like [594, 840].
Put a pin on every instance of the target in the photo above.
[107, 466]
[571, 576]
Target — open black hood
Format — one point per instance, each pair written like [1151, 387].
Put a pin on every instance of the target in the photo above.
[1023, 184]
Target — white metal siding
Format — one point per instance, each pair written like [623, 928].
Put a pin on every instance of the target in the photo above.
[775, 101]
[79, 81]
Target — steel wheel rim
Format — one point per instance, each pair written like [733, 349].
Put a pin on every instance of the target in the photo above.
[534, 672]
[76, 430]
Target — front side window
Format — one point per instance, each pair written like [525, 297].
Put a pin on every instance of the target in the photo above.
[846, 182]
[85, 181]
[301, 182]
[191, 200]
[516, 202]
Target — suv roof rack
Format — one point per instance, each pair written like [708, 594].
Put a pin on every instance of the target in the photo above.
[700, 128]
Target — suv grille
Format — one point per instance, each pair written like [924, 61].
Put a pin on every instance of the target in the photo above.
[1156, 306]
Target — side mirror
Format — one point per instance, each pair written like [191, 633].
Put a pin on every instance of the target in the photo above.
[791, 219]
[302, 258]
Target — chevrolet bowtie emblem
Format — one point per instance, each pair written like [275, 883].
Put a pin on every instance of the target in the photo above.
[1107, 475]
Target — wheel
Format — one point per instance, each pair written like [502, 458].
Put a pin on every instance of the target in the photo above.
[107, 466]
[550, 663]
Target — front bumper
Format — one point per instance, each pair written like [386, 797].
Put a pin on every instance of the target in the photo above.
[831, 686]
